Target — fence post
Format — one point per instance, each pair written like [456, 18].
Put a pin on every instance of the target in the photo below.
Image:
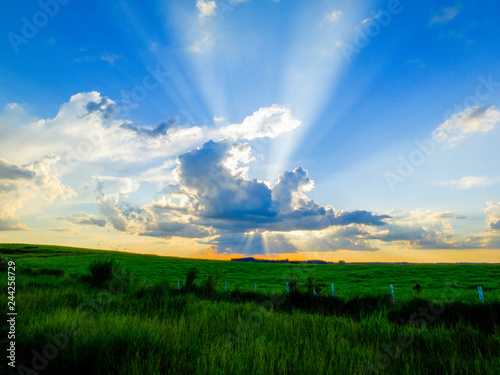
[178, 284]
[287, 288]
[392, 294]
[480, 292]
[333, 290]
[255, 288]
[225, 285]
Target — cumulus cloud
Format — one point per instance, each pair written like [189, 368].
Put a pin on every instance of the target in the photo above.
[86, 130]
[112, 204]
[224, 197]
[48, 181]
[267, 122]
[463, 124]
[421, 229]
[493, 215]
[26, 182]
[206, 8]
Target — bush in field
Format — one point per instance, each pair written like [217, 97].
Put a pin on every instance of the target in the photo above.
[191, 275]
[293, 283]
[105, 270]
[214, 277]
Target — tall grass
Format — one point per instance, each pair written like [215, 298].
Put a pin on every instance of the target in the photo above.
[155, 328]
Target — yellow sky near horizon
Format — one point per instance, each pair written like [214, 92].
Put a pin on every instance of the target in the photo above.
[191, 249]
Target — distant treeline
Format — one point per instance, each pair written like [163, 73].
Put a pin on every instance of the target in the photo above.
[252, 259]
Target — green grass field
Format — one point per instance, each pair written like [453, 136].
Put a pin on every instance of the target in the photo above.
[66, 325]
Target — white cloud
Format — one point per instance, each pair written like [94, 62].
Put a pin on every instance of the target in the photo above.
[445, 14]
[25, 183]
[463, 124]
[108, 185]
[334, 16]
[267, 122]
[470, 182]
[366, 20]
[109, 58]
[85, 131]
[493, 215]
[206, 8]
[203, 43]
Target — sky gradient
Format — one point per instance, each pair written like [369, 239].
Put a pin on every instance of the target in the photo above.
[285, 129]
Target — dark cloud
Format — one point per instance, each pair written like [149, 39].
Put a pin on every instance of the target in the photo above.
[11, 224]
[399, 233]
[159, 129]
[105, 106]
[10, 171]
[226, 199]
[218, 193]
[175, 229]
[85, 219]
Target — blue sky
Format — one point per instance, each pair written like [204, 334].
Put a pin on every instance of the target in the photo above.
[324, 129]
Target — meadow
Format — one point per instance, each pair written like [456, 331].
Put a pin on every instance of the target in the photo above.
[164, 315]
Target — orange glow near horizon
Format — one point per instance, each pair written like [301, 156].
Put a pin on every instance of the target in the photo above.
[176, 249]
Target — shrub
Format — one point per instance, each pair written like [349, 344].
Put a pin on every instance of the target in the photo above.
[191, 275]
[101, 271]
[214, 277]
[293, 283]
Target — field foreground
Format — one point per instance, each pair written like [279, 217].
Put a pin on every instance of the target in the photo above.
[159, 315]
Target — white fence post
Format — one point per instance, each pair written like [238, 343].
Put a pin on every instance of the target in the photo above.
[255, 288]
[178, 284]
[287, 288]
[480, 292]
[333, 290]
[392, 293]
[225, 285]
